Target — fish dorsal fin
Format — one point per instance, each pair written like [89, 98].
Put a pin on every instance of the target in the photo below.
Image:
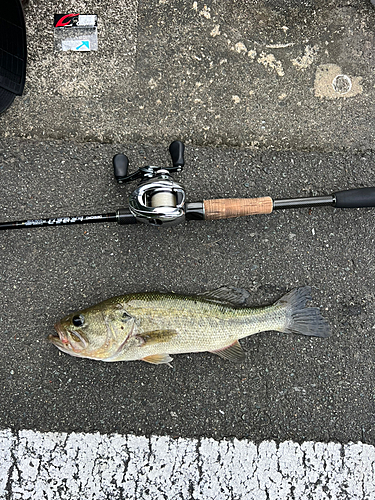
[227, 295]
[156, 336]
[158, 359]
[232, 352]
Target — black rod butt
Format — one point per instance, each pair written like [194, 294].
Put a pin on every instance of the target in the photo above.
[355, 198]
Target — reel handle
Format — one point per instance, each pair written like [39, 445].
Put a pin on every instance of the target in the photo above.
[176, 150]
[120, 167]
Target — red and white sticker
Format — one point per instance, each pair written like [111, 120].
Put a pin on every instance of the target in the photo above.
[75, 20]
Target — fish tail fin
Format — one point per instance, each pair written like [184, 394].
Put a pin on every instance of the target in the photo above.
[301, 319]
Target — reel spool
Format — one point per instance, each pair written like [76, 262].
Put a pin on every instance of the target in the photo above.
[163, 199]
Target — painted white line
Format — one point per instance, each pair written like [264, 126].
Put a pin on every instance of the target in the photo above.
[37, 465]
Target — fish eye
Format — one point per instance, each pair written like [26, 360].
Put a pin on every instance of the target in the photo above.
[78, 320]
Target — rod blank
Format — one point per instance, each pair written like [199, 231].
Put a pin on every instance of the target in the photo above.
[59, 221]
[312, 201]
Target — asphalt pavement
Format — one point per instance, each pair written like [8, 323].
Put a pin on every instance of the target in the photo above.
[270, 98]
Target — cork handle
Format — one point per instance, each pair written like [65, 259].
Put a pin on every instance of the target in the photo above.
[237, 207]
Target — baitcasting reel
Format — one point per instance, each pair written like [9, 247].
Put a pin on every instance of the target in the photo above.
[158, 199]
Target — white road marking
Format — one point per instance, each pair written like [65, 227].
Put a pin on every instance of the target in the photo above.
[37, 465]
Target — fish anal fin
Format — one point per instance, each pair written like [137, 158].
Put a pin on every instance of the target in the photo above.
[227, 295]
[156, 336]
[158, 359]
[233, 352]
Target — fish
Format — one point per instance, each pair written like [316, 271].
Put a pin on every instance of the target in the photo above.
[153, 326]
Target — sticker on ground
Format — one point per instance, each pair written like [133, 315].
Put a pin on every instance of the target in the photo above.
[39, 465]
[75, 32]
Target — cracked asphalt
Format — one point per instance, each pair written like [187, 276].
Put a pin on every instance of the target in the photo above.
[250, 88]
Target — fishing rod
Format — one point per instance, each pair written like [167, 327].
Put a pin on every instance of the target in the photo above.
[159, 200]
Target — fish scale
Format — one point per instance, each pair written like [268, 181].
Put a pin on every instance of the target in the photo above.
[200, 325]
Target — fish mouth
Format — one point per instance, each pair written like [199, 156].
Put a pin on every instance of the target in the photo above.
[58, 337]
[61, 341]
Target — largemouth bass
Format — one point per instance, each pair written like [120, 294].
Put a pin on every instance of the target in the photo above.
[152, 326]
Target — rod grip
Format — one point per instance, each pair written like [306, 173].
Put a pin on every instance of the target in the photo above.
[355, 198]
[227, 208]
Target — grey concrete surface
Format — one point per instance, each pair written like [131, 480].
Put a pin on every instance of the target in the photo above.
[254, 74]
[248, 87]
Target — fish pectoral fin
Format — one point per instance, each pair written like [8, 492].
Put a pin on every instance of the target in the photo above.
[227, 295]
[233, 352]
[158, 359]
[156, 336]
